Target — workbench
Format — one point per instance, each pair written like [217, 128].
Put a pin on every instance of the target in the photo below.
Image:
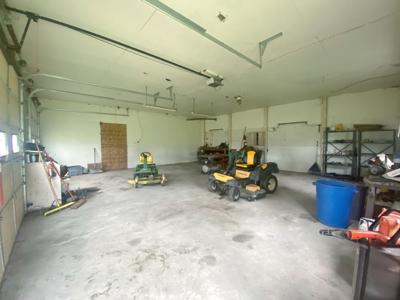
[376, 270]
[374, 183]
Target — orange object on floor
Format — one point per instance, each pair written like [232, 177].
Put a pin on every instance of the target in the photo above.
[384, 231]
[387, 233]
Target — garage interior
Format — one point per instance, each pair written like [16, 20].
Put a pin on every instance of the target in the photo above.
[140, 143]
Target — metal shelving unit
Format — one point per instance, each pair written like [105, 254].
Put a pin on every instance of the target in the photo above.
[347, 152]
[340, 154]
[373, 142]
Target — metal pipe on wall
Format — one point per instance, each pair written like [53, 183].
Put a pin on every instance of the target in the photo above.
[266, 115]
[22, 134]
[322, 129]
[28, 117]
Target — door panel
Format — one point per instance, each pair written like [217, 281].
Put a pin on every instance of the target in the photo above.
[113, 146]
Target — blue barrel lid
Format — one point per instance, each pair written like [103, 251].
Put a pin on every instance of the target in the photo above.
[336, 183]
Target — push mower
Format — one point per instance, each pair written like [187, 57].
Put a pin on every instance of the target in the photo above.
[245, 177]
[146, 172]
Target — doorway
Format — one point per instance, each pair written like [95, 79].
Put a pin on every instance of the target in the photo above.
[114, 153]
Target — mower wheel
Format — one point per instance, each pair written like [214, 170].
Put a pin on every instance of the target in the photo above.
[270, 184]
[234, 193]
[212, 186]
[163, 180]
[135, 182]
[205, 169]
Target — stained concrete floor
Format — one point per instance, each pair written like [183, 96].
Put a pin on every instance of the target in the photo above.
[179, 242]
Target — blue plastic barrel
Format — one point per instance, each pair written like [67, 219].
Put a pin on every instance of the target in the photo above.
[335, 202]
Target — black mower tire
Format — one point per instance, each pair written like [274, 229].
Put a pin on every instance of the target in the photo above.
[270, 184]
[212, 186]
[234, 194]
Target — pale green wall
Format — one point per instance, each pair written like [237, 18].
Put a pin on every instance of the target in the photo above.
[295, 147]
[70, 137]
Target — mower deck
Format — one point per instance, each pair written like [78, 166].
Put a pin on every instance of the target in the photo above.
[147, 180]
[252, 195]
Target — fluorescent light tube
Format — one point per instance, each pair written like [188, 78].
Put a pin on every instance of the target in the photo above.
[202, 115]
[160, 107]
[201, 119]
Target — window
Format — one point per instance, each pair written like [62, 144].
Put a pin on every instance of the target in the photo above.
[15, 143]
[3, 144]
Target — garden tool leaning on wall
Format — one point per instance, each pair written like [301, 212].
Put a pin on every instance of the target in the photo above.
[57, 203]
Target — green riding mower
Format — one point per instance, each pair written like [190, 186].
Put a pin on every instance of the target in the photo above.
[146, 172]
[246, 177]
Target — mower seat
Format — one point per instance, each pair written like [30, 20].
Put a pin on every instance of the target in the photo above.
[146, 157]
[250, 161]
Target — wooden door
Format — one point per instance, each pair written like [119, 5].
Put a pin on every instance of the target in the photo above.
[113, 146]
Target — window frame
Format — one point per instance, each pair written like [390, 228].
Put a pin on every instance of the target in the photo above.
[18, 143]
[7, 148]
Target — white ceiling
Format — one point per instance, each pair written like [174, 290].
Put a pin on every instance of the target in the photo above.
[327, 47]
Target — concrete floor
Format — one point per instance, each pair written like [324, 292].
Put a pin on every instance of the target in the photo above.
[179, 242]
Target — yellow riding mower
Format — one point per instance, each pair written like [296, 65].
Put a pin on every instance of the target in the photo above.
[146, 172]
[245, 177]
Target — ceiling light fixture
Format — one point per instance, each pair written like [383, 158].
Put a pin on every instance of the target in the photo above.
[201, 115]
[160, 107]
[238, 99]
[201, 119]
